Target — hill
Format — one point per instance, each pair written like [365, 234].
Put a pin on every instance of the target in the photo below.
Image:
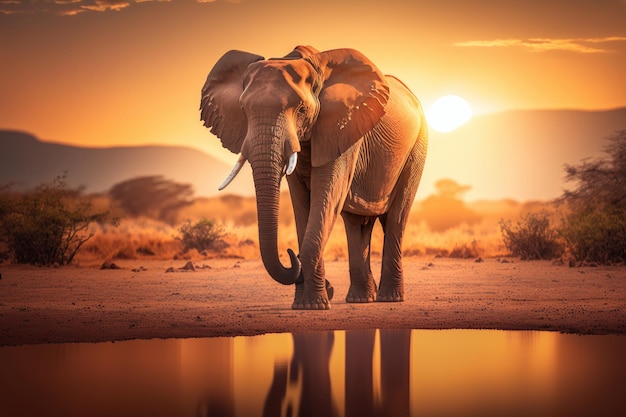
[26, 161]
[509, 155]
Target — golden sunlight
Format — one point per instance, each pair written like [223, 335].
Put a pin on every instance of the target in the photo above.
[448, 113]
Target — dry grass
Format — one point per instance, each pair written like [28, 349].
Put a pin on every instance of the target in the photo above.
[149, 239]
[131, 239]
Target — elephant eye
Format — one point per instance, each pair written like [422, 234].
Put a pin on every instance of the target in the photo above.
[301, 110]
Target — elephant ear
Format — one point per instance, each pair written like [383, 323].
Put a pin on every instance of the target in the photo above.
[219, 105]
[352, 101]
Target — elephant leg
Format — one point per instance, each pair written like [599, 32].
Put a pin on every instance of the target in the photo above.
[329, 187]
[394, 222]
[359, 235]
[301, 201]
[391, 277]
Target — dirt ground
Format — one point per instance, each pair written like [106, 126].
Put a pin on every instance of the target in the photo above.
[229, 297]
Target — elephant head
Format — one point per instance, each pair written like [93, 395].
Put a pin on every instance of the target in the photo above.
[268, 111]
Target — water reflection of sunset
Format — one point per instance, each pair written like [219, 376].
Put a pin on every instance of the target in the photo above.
[494, 370]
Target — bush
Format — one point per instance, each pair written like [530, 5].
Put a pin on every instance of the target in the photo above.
[202, 235]
[596, 235]
[465, 251]
[532, 238]
[47, 226]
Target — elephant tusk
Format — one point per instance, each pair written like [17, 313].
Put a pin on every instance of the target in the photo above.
[293, 160]
[233, 173]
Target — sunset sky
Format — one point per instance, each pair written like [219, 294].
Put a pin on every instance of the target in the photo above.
[125, 72]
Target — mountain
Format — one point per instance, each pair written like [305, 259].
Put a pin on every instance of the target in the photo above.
[26, 162]
[518, 154]
[513, 154]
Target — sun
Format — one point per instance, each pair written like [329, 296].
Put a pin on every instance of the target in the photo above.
[448, 113]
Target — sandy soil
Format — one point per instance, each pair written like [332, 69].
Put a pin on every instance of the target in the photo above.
[229, 297]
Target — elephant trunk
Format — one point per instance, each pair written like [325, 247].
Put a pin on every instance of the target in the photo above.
[267, 167]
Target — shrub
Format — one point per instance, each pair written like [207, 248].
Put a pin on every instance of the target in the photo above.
[465, 251]
[202, 235]
[596, 235]
[47, 226]
[532, 238]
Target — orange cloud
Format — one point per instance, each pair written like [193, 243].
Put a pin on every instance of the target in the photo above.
[73, 7]
[10, 6]
[103, 5]
[580, 45]
[62, 7]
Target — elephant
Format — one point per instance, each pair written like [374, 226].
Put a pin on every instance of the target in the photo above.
[349, 139]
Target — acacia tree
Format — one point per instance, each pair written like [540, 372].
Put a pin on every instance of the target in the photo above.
[152, 196]
[600, 182]
[446, 209]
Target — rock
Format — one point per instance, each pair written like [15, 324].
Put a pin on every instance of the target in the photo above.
[427, 266]
[188, 267]
[109, 265]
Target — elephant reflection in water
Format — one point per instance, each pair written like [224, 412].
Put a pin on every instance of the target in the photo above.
[303, 387]
[393, 398]
[308, 375]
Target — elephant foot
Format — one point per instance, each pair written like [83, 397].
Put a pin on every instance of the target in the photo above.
[360, 299]
[315, 301]
[390, 296]
[356, 295]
